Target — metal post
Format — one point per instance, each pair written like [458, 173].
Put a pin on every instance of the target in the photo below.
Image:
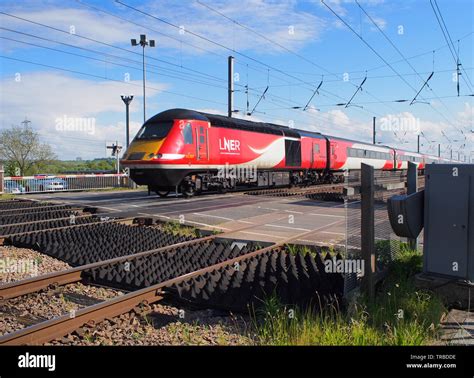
[439, 149]
[451, 154]
[412, 187]
[118, 157]
[128, 124]
[144, 75]
[127, 100]
[2, 172]
[418, 143]
[230, 94]
[143, 42]
[368, 228]
[373, 130]
[118, 163]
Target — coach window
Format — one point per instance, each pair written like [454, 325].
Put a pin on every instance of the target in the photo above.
[316, 148]
[188, 134]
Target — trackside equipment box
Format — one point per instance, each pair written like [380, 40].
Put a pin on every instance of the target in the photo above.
[445, 209]
[449, 220]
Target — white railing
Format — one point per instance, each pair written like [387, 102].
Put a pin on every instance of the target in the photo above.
[54, 183]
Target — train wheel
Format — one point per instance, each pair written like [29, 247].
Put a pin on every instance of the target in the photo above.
[162, 193]
[188, 190]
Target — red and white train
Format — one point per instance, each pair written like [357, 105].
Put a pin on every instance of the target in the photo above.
[194, 152]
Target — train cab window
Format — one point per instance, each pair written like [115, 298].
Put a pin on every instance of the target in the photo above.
[188, 134]
[154, 130]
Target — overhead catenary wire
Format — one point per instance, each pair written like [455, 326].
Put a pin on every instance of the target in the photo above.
[425, 82]
[109, 79]
[206, 39]
[113, 63]
[104, 43]
[306, 83]
[447, 35]
[380, 57]
[286, 49]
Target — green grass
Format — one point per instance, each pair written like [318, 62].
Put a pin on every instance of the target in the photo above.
[6, 197]
[177, 228]
[384, 248]
[368, 322]
[295, 249]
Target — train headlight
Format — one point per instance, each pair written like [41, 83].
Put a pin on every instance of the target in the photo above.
[156, 156]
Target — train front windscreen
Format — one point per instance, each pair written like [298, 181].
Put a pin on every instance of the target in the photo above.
[154, 130]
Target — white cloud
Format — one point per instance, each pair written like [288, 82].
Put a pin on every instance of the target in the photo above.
[82, 22]
[381, 23]
[467, 115]
[45, 97]
[342, 7]
[276, 20]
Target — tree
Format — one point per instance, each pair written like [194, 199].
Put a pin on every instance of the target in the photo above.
[21, 147]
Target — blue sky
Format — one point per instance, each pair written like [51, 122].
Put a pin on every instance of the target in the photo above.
[288, 45]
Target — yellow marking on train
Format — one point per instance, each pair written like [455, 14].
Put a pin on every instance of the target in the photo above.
[149, 147]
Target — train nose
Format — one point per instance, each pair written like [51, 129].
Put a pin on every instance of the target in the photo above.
[143, 150]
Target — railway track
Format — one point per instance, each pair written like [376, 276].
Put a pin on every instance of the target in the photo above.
[297, 191]
[333, 192]
[34, 284]
[190, 270]
[28, 217]
[210, 271]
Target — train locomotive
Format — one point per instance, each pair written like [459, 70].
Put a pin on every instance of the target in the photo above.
[193, 152]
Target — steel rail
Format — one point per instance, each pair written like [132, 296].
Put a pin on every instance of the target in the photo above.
[118, 220]
[46, 211]
[51, 329]
[51, 206]
[64, 277]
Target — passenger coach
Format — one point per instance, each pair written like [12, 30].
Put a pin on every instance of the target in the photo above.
[192, 151]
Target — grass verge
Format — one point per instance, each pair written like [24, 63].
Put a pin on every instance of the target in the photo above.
[6, 197]
[401, 314]
[176, 228]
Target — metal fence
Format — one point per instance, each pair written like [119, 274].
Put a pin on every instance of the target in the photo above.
[369, 235]
[55, 183]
